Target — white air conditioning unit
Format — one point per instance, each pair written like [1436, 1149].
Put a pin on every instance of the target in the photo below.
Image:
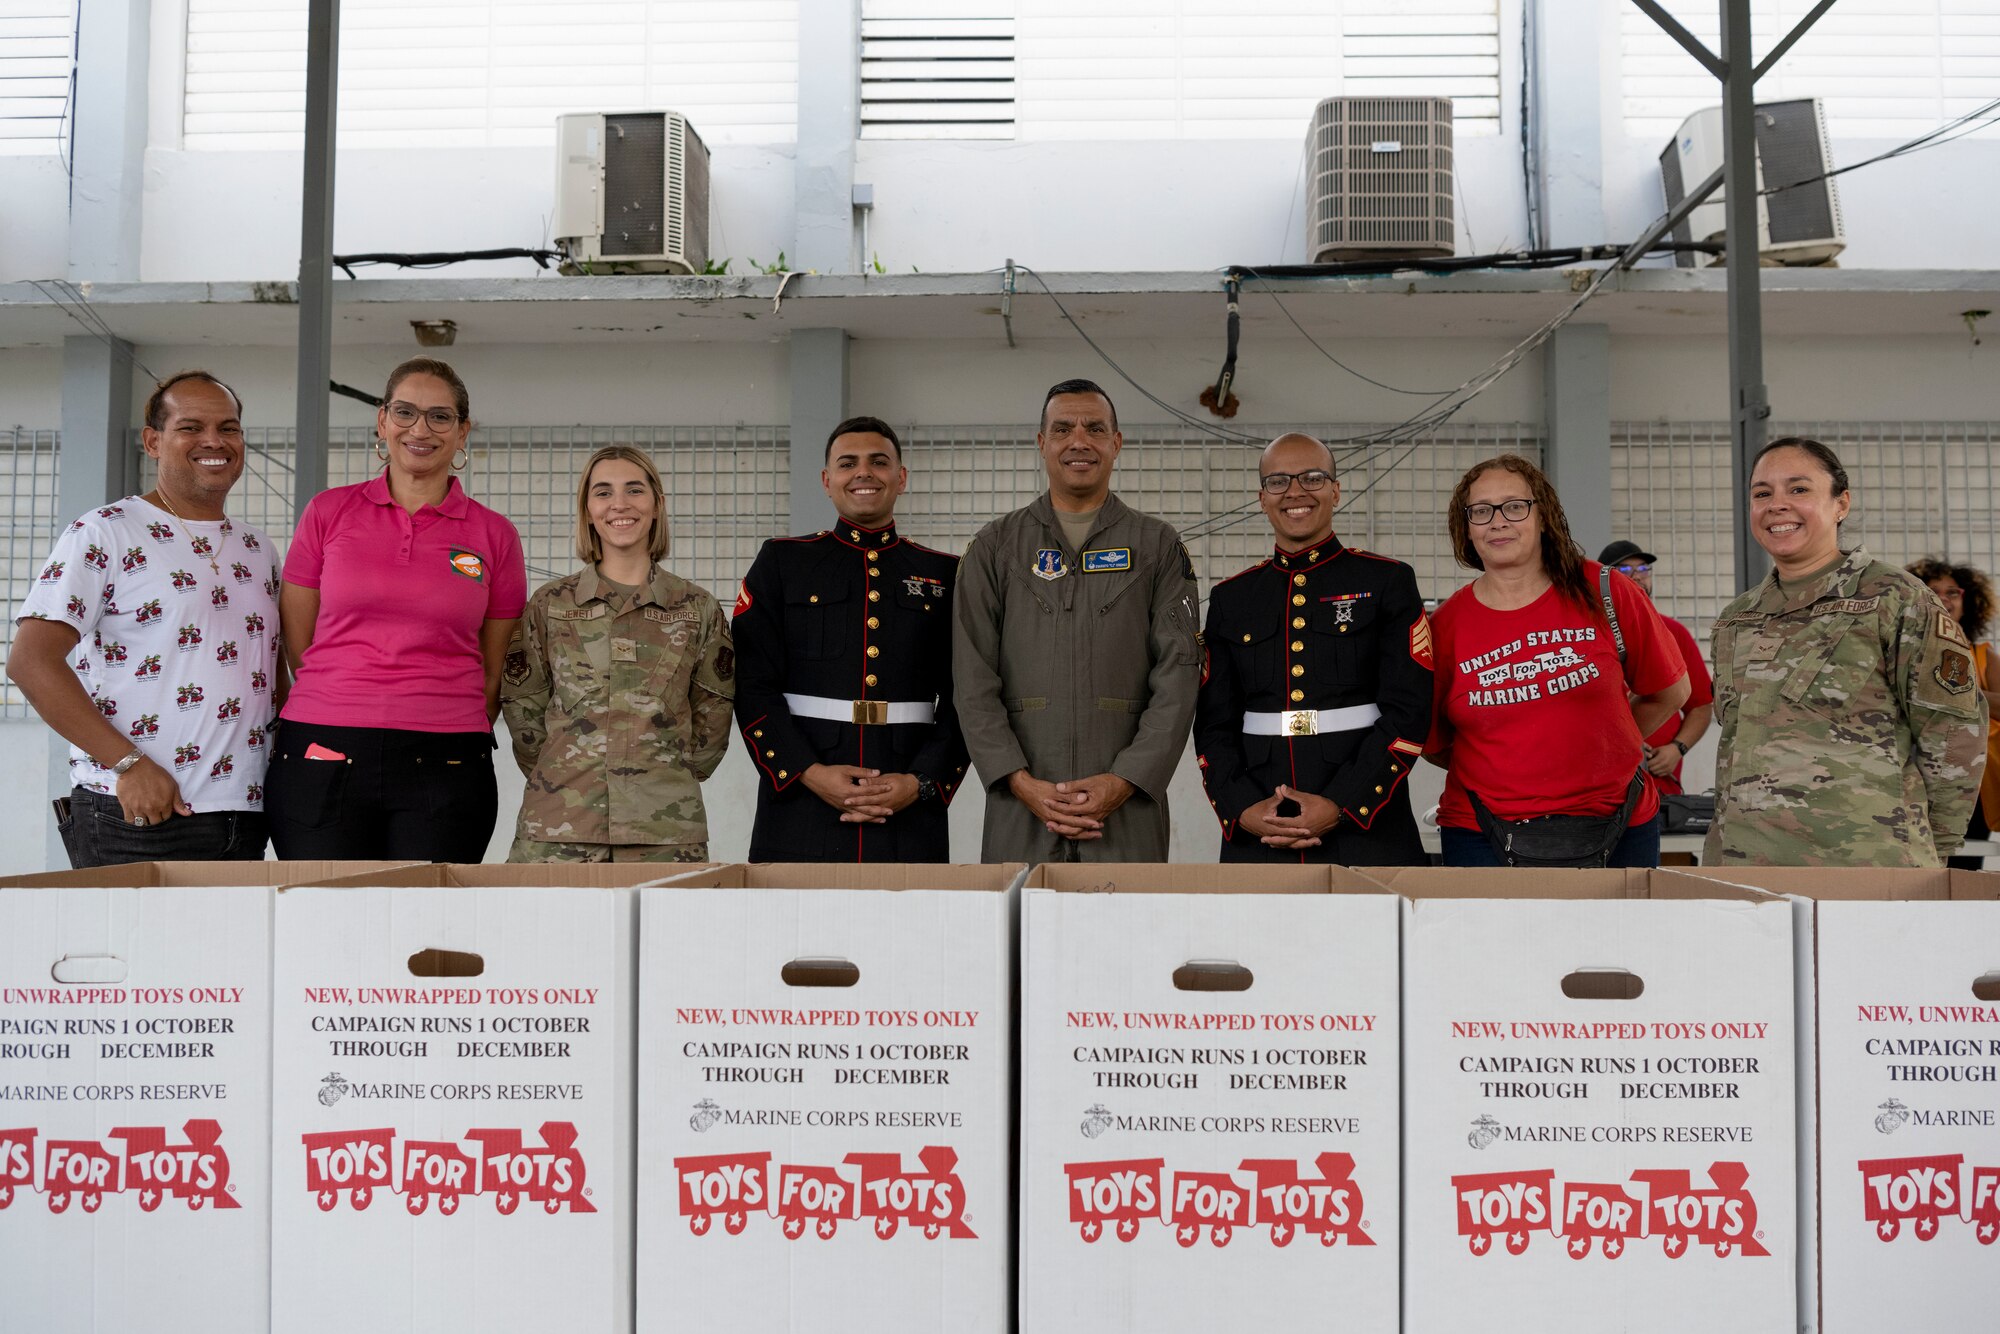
[1379, 179]
[631, 193]
[1800, 225]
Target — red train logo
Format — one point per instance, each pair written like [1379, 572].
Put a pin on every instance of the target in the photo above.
[1271, 1193]
[1928, 1192]
[150, 1165]
[1512, 1207]
[358, 1163]
[818, 1198]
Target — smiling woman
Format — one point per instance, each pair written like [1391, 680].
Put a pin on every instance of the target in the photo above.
[1853, 728]
[400, 595]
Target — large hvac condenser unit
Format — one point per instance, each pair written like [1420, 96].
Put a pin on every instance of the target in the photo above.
[1378, 179]
[631, 193]
[1798, 208]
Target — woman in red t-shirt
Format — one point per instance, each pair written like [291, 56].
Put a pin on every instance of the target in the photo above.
[1534, 712]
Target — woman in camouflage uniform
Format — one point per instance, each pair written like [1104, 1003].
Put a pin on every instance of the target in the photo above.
[1968, 596]
[1853, 727]
[618, 687]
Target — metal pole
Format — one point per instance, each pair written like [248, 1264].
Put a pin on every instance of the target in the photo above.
[316, 252]
[1749, 400]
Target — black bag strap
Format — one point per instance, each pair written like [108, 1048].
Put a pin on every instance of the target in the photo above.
[1610, 610]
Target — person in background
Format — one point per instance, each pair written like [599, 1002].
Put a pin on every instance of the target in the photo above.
[167, 707]
[1076, 653]
[1667, 749]
[1853, 731]
[400, 597]
[1316, 685]
[1551, 672]
[844, 696]
[618, 685]
[1967, 596]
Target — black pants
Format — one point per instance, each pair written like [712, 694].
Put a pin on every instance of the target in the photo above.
[392, 795]
[96, 833]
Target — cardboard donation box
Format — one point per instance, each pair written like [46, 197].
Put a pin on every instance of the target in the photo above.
[1208, 1100]
[1906, 1002]
[1598, 1082]
[135, 1038]
[825, 1099]
[452, 1102]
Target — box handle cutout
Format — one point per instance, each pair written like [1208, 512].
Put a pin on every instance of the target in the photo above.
[88, 969]
[819, 973]
[1212, 975]
[1987, 986]
[1603, 984]
[446, 963]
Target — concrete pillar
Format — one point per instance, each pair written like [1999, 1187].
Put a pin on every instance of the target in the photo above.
[1565, 95]
[829, 120]
[819, 403]
[1576, 406]
[109, 141]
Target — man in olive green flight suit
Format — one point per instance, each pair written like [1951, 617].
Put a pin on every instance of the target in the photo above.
[1075, 655]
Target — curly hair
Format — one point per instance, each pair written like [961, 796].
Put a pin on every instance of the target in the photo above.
[1562, 558]
[1976, 613]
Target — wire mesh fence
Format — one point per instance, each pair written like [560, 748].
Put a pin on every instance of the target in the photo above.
[28, 491]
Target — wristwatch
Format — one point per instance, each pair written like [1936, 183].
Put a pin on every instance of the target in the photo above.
[128, 761]
[926, 789]
[1677, 744]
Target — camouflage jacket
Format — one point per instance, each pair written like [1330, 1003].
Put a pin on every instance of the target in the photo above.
[617, 714]
[1853, 728]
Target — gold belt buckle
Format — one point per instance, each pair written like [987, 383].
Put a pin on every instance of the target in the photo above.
[1299, 722]
[871, 712]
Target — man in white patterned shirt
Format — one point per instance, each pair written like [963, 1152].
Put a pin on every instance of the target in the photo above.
[149, 643]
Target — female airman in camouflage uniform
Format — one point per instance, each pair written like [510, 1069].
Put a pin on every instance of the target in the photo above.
[618, 687]
[1853, 727]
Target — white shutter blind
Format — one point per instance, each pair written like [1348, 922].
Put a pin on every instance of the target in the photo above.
[1246, 69]
[937, 69]
[37, 48]
[469, 73]
[1888, 69]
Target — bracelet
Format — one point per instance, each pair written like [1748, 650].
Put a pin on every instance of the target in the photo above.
[123, 765]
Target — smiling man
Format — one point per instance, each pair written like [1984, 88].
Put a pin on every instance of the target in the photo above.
[1075, 654]
[843, 680]
[1316, 685]
[149, 644]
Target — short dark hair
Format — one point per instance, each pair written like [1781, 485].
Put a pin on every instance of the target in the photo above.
[156, 402]
[865, 426]
[1828, 461]
[431, 366]
[1077, 387]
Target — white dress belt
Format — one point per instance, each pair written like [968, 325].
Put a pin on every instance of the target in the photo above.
[1311, 722]
[860, 711]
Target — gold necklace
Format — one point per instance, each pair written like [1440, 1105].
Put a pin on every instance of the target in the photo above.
[213, 564]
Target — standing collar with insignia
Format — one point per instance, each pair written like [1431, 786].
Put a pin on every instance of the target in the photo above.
[1319, 553]
[1839, 579]
[593, 586]
[865, 539]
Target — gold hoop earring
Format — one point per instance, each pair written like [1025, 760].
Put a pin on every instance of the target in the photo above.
[381, 450]
[460, 459]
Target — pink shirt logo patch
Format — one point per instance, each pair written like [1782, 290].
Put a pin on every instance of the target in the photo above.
[469, 564]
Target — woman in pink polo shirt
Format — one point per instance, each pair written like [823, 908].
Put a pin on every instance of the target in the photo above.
[400, 595]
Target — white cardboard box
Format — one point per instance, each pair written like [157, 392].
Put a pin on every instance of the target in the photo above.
[135, 1024]
[1196, 1159]
[1577, 1156]
[829, 1152]
[1903, 1178]
[454, 1152]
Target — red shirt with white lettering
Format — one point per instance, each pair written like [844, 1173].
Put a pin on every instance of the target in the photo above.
[1533, 706]
[1701, 690]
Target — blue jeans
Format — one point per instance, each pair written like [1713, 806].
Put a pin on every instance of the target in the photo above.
[98, 834]
[1468, 847]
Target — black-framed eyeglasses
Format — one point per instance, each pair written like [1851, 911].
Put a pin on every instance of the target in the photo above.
[1482, 514]
[1633, 571]
[1277, 483]
[406, 415]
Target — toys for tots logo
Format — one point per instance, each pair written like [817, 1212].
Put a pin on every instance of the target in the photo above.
[1510, 1207]
[83, 1172]
[735, 1186]
[1929, 1191]
[358, 1163]
[1262, 1192]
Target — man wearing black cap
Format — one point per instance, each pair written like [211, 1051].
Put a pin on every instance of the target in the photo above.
[1668, 747]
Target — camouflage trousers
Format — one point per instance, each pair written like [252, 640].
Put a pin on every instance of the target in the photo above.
[527, 850]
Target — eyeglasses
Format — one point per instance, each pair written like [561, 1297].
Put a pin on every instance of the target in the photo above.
[1280, 482]
[406, 415]
[1632, 571]
[1482, 514]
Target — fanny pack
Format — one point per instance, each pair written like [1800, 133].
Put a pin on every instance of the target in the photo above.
[1559, 840]
[1687, 813]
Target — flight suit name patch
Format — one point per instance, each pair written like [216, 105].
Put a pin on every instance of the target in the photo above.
[1105, 559]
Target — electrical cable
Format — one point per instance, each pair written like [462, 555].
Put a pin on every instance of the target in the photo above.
[1414, 393]
[438, 259]
[1943, 134]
